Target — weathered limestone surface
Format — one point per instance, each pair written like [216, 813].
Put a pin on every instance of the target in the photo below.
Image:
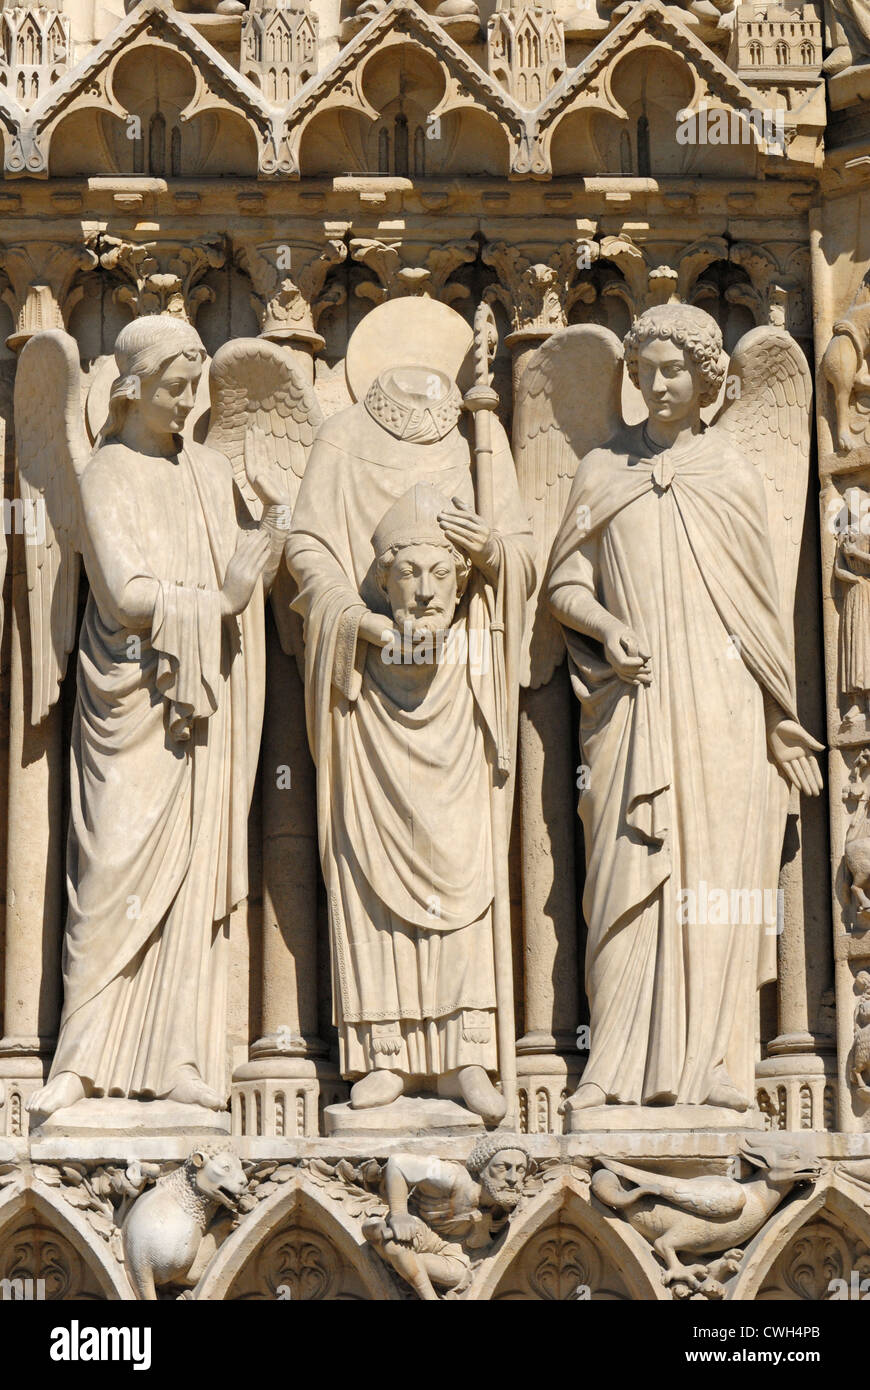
[422, 421]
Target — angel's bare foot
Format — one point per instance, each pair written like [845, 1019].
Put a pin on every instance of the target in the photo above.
[64, 1089]
[587, 1095]
[377, 1088]
[481, 1096]
[190, 1089]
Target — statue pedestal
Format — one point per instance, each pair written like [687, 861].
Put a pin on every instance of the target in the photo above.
[111, 1115]
[598, 1119]
[407, 1117]
[281, 1097]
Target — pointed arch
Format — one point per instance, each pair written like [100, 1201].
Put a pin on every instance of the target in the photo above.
[627, 1266]
[40, 1206]
[298, 1208]
[835, 1199]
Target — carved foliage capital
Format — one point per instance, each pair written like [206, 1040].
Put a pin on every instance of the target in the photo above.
[162, 277]
[289, 281]
[400, 271]
[539, 291]
[41, 286]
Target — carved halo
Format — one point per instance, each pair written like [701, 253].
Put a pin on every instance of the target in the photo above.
[408, 332]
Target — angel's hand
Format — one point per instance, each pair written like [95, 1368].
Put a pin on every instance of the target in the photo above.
[470, 533]
[264, 475]
[622, 649]
[244, 570]
[792, 749]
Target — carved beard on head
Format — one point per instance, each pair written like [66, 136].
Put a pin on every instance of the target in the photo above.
[507, 1198]
[421, 587]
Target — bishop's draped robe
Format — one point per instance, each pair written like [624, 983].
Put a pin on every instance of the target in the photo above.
[164, 751]
[683, 801]
[404, 788]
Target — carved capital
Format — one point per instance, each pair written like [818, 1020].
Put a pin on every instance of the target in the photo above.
[538, 292]
[162, 277]
[400, 271]
[290, 292]
[40, 285]
[776, 294]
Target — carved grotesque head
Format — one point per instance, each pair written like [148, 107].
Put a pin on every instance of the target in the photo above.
[500, 1163]
[418, 570]
[674, 356]
[218, 1175]
[160, 360]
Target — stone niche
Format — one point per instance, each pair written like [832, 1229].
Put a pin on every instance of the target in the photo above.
[423, 422]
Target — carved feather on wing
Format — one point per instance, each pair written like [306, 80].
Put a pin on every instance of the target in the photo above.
[255, 387]
[567, 402]
[768, 421]
[52, 452]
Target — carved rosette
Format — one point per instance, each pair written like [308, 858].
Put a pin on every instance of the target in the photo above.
[162, 277]
[399, 273]
[41, 285]
[290, 290]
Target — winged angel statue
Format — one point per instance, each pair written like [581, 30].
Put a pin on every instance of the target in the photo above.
[180, 542]
[672, 575]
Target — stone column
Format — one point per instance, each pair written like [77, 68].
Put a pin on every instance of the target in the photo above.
[41, 293]
[288, 1077]
[537, 286]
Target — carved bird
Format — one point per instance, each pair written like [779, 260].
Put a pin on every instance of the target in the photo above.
[701, 1215]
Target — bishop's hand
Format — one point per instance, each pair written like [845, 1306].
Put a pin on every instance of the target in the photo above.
[792, 749]
[469, 533]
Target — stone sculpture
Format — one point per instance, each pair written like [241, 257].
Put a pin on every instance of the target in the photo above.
[852, 569]
[411, 738]
[848, 23]
[844, 366]
[166, 1225]
[440, 1210]
[702, 1215]
[856, 853]
[169, 697]
[673, 577]
[860, 1059]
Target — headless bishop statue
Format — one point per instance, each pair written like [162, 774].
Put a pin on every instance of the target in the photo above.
[409, 708]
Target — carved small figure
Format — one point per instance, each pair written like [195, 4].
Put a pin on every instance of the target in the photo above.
[166, 1226]
[852, 569]
[856, 853]
[860, 1061]
[439, 1210]
[701, 1215]
[844, 366]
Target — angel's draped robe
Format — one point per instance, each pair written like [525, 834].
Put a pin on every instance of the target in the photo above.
[684, 807]
[157, 849]
[404, 788]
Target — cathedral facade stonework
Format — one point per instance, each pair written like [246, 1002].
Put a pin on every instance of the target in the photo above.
[435, 650]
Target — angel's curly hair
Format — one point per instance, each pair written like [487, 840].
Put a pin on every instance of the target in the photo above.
[691, 329]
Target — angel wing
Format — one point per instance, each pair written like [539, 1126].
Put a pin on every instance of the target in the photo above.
[255, 387]
[768, 421]
[53, 451]
[567, 402]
